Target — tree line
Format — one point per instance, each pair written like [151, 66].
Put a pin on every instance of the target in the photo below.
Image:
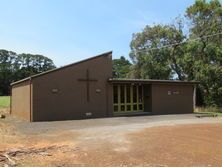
[190, 48]
[14, 67]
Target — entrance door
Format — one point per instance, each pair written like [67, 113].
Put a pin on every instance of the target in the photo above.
[127, 98]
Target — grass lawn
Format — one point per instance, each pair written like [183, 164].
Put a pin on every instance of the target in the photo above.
[4, 101]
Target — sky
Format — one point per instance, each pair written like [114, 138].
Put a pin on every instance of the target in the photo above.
[71, 30]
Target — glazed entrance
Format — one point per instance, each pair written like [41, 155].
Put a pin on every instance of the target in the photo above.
[128, 98]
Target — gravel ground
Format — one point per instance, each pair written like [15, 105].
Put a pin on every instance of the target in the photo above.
[166, 140]
[116, 123]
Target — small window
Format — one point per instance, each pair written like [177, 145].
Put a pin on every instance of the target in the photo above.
[122, 108]
[115, 94]
[128, 96]
[135, 107]
[122, 93]
[115, 108]
[128, 107]
[134, 93]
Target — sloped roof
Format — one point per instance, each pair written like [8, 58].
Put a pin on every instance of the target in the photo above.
[56, 69]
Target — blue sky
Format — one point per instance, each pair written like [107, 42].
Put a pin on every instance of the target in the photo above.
[70, 30]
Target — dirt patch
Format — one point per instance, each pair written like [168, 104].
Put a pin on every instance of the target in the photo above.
[13, 157]
[182, 145]
[5, 110]
[190, 145]
[135, 144]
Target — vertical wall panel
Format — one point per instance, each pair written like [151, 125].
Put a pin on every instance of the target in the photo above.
[21, 100]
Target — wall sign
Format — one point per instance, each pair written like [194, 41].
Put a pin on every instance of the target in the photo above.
[88, 114]
[173, 92]
[176, 92]
[98, 90]
[55, 90]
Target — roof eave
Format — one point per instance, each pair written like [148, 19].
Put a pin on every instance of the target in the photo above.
[20, 81]
[114, 80]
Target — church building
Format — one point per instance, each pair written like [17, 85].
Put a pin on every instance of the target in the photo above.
[86, 89]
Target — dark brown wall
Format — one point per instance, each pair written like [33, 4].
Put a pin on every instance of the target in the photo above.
[70, 102]
[147, 93]
[20, 102]
[162, 103]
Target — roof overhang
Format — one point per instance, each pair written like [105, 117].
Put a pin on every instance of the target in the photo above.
[151, 81]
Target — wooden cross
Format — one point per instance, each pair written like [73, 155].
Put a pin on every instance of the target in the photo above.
[87, 80]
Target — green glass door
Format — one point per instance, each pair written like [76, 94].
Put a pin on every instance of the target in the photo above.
[127, 98]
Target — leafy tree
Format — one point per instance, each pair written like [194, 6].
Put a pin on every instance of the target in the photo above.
[205, 20]
[7, 58]
[121, 67]
[14, 67]
[28, 65]
[161, 51]
[151, 59]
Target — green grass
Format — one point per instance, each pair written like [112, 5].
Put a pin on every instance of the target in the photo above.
[208, 110]
[4, 101]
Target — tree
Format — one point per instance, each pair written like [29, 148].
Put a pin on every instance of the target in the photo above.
[28, 65]
[151, 59]
[14, 67]
[205, 20]
[164, 52]
[7, 58]
[121, 67]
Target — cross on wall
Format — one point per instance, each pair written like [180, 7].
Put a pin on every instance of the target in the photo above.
[87, 80]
